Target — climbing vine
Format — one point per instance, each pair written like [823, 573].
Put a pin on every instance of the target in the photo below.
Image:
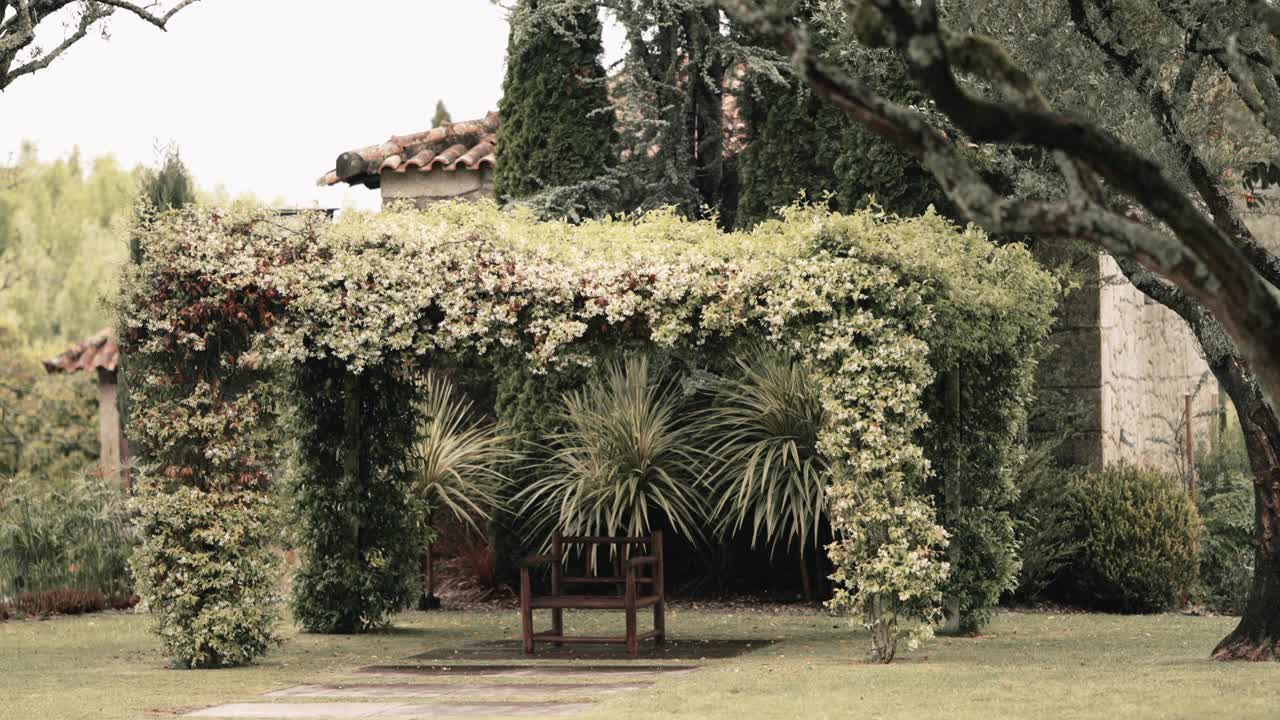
[358, 308]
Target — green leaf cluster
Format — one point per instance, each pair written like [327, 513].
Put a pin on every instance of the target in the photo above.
[358, 524]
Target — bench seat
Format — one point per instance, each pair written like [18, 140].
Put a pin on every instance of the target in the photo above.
[590, 602]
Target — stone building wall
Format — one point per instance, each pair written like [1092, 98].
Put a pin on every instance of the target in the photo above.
[1114, 387]
[1150, 363]
[425, 188]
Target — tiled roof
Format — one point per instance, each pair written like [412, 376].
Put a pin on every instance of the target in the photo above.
[469, 144]
[98, 351]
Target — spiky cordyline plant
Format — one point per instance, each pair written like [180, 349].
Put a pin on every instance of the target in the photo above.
[459, 464]
[764, 430]
[624, 458]
[459, 458]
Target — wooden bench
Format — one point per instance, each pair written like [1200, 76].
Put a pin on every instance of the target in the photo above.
[627, 573]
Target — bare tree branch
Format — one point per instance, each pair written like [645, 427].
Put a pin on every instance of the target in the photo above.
[87, 19]
[18, 31]
[1143, 79]
[1199, 257]
[159, 21]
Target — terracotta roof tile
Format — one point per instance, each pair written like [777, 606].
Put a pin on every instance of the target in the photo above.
[469, 145]
[98, 351]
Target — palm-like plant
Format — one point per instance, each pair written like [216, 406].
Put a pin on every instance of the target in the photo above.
[764, 428]
[459, 461]
[625, 455]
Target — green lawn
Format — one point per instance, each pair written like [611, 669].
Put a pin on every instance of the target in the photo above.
[1028, 665]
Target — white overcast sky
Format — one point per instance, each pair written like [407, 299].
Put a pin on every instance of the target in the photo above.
[262, 95]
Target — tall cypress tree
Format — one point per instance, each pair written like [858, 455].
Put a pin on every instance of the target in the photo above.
[441, 115]
[793, 143]
[797, 142]
[550, 134]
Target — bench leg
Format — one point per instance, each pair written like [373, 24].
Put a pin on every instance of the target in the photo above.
[660, 622]
[557, 623]
[633, 647]
[526, 611]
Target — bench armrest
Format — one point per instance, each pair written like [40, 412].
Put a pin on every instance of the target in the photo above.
[642, 560]
[535, 561]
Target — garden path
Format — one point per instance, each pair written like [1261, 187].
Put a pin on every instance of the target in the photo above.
[564, 683]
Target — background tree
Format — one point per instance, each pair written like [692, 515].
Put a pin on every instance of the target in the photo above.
[670, 89]
[798, 142]
[556, 127]
[61, 246]
[441, 115]
[22, 20]
[1155, 201]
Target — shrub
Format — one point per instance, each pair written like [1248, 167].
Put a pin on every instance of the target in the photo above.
[459, 463]
[1046, 541]
[360, 531]
[207, 570]
[64, 541]
[1225, 501]
[1139, 538]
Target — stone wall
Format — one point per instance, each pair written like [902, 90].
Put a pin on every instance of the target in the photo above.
[425, 188]
[1114, 387]
[1150, 363]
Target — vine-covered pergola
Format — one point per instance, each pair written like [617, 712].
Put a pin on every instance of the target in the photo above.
[922, 336]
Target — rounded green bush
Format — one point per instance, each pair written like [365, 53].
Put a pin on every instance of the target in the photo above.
[1138, 536]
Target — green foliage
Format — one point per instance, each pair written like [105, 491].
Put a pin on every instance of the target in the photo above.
[203, 415]
[48, 422]
[975, 450]
[869, 166]
[792, 144]
[869, 303]
[71, 535]
[557, 129]
[441, 115]
[62, 233]
[358, 527]
[170, 187]
[1046, 541]
[625, 458]
[459, 460]
[798, 143]
[1225, 502]
[762, 435]
[1139, 540]
[207, 572]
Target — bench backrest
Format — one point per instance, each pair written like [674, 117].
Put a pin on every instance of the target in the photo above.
[559, 541]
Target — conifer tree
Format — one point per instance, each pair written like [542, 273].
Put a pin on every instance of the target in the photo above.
[441, 115]
[793, 142]
[799, 143]
[556, 128]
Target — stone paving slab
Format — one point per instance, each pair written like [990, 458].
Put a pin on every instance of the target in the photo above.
[449, 690]
[356, 710]
[578, 671]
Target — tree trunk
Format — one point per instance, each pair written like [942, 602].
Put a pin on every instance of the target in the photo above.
[1257, 637]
